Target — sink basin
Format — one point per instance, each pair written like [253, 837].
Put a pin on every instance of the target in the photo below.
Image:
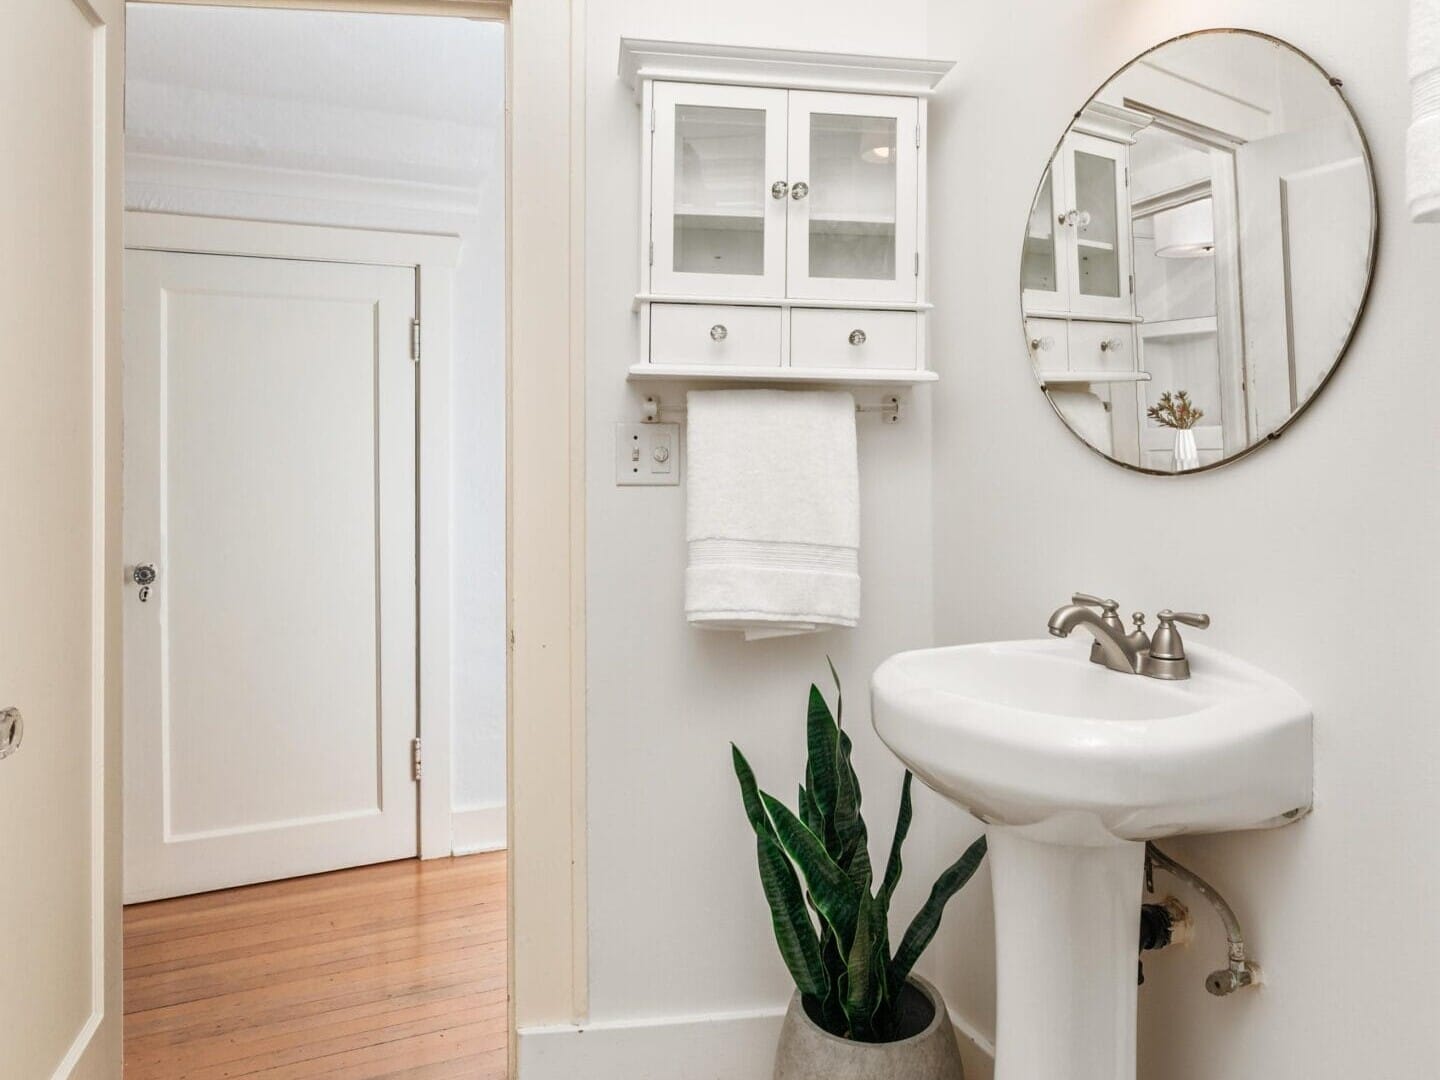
[1072, 767]
[1029, 732]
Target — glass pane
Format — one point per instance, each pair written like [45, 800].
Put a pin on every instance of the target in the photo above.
[1037, 266]
[719, 190]
[852, 196]
[1097, 230]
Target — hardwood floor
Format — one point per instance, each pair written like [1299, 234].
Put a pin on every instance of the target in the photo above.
[395, 970]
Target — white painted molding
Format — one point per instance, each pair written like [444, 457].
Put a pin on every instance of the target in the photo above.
[738, 65]
[146, 173]
[1113, 122]
[723, 1046]
[79, 1047]
[733, 1046]
[476, 829]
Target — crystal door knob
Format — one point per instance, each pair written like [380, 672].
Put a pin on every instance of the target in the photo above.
[799, 191]
[857, 337]
[12, 730]
[779, 189]
[718, 332]
[144, 575]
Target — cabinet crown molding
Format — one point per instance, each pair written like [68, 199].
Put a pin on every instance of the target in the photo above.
[746, 65]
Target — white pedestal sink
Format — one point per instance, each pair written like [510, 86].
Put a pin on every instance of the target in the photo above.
[1072, 767]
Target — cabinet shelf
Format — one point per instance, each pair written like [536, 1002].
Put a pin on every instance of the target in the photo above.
[716, 373]
[1178, 329]
[1071, 378]
[764, 301]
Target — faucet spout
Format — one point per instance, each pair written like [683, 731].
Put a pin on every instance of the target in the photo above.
[1118, 654]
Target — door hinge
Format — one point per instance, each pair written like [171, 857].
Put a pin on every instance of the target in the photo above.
[652, 118]
[917, 136]
[652, 252]
[917, 264]
[416, 762]
[415, 340]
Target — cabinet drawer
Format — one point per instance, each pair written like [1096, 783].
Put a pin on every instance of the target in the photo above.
[839, 339]
[1102, 346]
[710, 334]
[1049, 343]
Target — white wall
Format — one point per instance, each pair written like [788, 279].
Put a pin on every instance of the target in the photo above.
[373, 122]
[678, 925]
[1316, 556]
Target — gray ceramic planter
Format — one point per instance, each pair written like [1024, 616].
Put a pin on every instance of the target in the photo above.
[808, 1053]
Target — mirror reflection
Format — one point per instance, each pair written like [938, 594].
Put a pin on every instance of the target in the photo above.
[1198, 251]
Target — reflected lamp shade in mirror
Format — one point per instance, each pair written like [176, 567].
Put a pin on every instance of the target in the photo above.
[1186, 231]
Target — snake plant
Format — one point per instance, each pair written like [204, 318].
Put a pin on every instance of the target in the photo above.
[845, 967]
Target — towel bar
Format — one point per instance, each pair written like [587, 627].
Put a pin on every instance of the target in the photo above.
[889, 409]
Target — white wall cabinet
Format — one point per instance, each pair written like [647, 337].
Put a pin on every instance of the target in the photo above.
[783, 210]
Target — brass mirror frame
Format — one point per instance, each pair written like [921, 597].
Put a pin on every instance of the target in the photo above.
[1373, 254]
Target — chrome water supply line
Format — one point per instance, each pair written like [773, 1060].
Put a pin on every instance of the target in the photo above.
[1240, 972]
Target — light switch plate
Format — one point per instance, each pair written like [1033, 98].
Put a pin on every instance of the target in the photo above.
[647, 454]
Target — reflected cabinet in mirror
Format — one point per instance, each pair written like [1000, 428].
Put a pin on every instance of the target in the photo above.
[1199, 251]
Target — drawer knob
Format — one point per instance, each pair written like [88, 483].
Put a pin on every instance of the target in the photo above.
[1113, 344]
[1042, 344]
[857, 337]
[718, 332]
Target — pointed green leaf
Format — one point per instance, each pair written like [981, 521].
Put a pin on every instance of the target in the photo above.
[835, 896]
[865, 974]
[927, 920]
[893, 865]
[794, 932]
[850, 831]
[821, 741]
[839, 695]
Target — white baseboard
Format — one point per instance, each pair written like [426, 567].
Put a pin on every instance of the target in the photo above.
[477, 829]
[734, 1046]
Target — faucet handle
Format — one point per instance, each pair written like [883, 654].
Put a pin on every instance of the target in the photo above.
[1189, 618]
[1167, 659]
[1110, 607]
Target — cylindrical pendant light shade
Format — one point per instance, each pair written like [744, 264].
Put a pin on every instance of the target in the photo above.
[1186, 232]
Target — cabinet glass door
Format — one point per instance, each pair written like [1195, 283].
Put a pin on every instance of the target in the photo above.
[1097, 219]
[1042, 270]
[719, 191]
[854, 192]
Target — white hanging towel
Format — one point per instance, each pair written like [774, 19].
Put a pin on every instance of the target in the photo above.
[772, 511]
[1422, 172]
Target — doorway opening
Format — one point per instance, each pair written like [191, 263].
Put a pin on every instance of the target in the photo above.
[314, 535]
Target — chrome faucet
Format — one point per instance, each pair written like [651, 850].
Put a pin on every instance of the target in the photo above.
[1134, 653]
[1112, 647]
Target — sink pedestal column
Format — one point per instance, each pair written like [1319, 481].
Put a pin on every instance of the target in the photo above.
[1067, 928]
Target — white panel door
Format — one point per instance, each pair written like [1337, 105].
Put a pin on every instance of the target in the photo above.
[719, 191]
[54, 88]
[855, 197]
[270, 480]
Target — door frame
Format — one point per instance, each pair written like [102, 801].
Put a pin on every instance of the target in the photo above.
[545, 494]
[433, 257]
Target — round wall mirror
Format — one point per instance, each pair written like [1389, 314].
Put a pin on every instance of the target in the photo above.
[1198, 252]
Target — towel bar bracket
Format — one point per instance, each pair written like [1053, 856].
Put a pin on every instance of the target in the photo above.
[888, 408]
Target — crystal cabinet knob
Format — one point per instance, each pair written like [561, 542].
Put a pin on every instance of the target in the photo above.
[1042, 344]
[779, 189]
[718, 332]
[857, 337]
[799, 190]
[1113, 344]
[12, 730]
